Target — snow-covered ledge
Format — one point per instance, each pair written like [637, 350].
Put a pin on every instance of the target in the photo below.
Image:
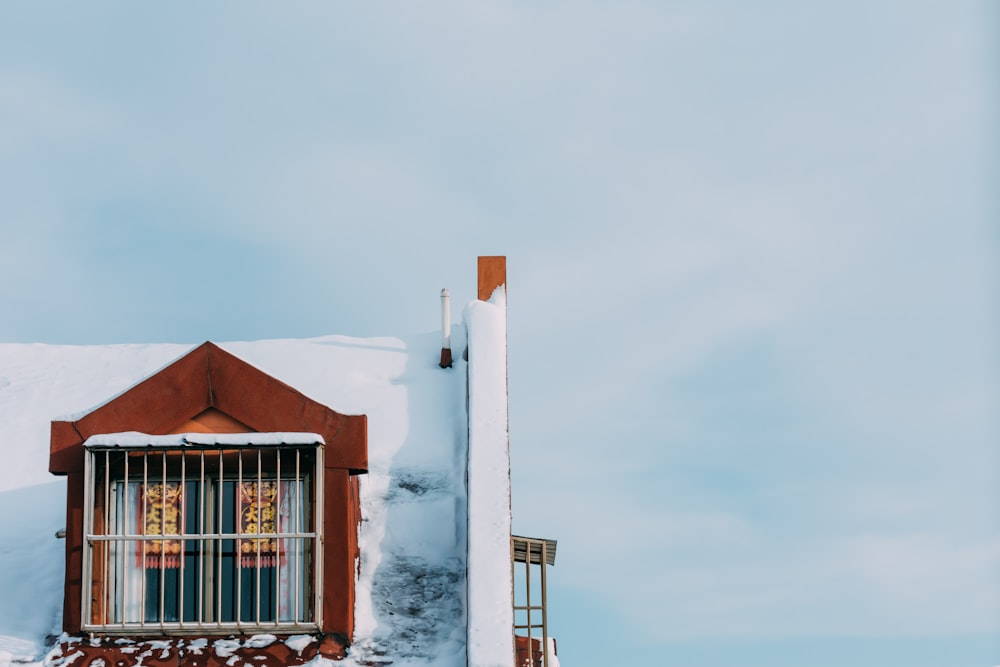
[490, 580]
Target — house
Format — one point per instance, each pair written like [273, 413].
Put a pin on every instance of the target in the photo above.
[271, 502]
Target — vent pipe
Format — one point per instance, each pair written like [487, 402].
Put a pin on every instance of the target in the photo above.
[445, 329]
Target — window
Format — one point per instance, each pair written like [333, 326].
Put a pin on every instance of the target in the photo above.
[202, 532]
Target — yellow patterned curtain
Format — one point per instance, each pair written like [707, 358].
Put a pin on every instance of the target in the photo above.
[164, 511]
[258, 510]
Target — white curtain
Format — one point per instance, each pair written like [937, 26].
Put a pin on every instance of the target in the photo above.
[125, 576]
[291, 574]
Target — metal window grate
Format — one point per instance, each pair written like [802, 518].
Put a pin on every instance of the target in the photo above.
[531, 613]
[202, 538]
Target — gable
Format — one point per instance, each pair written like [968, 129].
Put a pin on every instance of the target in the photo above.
[211, 421]
[211, 389]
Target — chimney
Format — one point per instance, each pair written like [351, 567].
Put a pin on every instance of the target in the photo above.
[492, 274]
[445, 329]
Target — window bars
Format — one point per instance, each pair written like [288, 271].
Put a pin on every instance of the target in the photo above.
[203, 537]
[530, 613]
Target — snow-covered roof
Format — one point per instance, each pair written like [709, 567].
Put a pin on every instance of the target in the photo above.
[411, 591]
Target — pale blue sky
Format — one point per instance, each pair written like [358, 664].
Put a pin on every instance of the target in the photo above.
[752, 255]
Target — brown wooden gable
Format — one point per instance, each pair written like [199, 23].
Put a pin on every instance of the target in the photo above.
[208, 379]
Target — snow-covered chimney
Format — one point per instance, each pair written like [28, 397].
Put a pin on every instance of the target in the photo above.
[490, 582]
[445, 329]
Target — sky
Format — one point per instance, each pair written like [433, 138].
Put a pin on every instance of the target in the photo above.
[752, 260]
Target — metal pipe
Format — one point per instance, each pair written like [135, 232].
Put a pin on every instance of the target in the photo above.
[163, 542]
[219, 500]
[124, 567]
[545, 617]
[239, 542]
[142, 523]
[259, 543]
[201, 542]
[446, 360]
[298, 543]
[277, 541]
[88, 544]
[182, 529]
[107, 530]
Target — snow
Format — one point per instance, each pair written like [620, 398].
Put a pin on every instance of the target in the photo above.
[136, 439]
[197, 645]
[298, 643]
[31, 566]
[260, 641]
[13, 649]
[412, 588]
[551, 659]
[224, 648]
